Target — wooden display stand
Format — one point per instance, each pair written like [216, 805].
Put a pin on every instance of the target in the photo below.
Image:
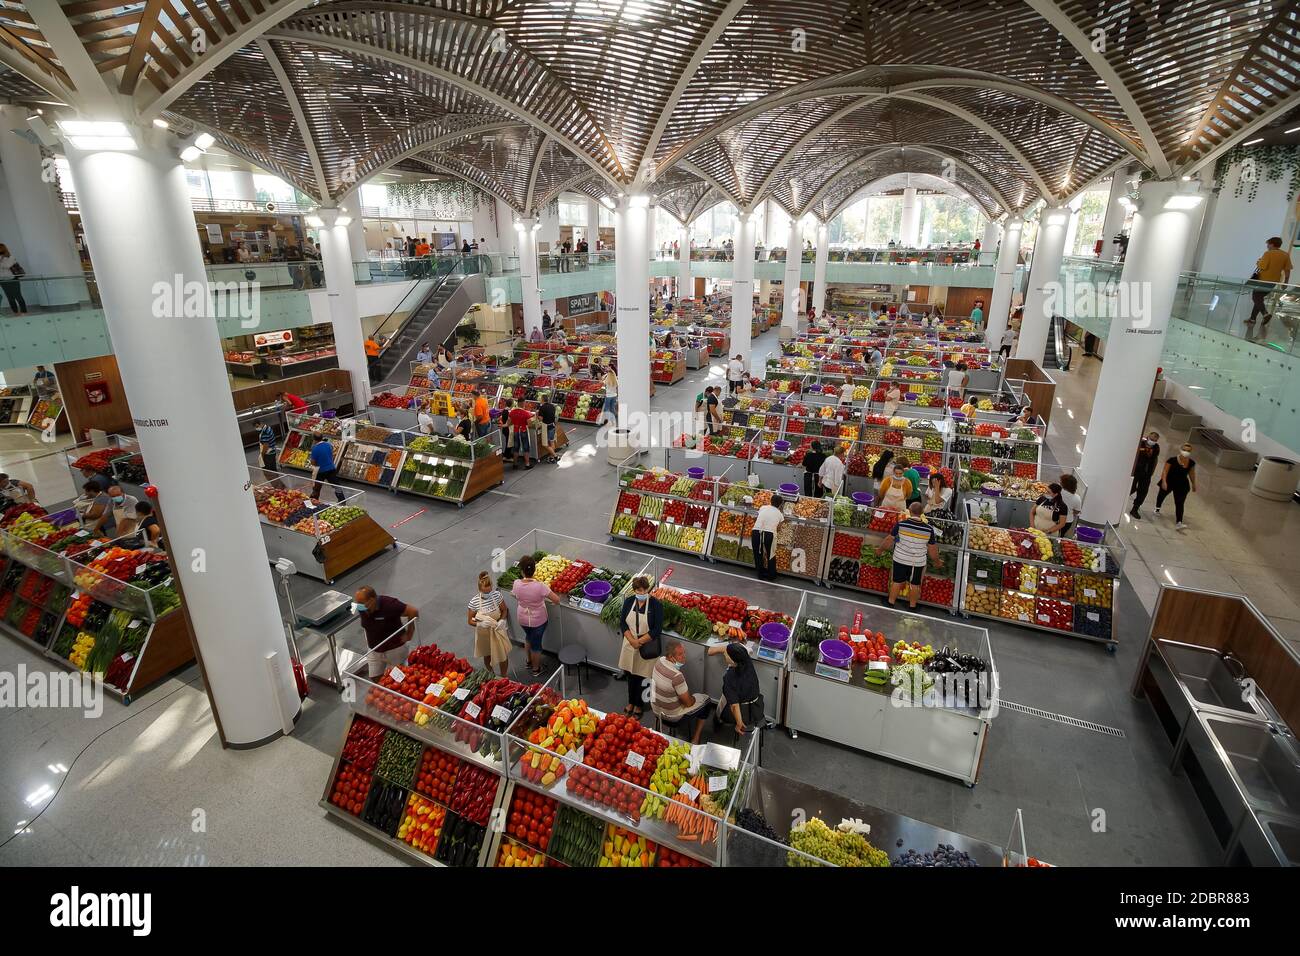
[486, 474]
[167, 648]
[355, 543]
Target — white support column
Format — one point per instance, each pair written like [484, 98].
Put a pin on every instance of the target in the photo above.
[632, 224]
[526, 242]
[135, 207]
[1004, 274]
[819, 267]
[791, 293]
[769, 238]
[1044, 276]
[911, 219]
[684, 288]
[989, 242]
[351, 204]
[742, 287]
[1072, 229]
[593, 226]
[1147, 287]
[47, 246]
[341, 294]
[1116, 212]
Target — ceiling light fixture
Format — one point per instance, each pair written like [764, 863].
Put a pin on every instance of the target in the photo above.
[97, 135]
[162, 123]
[1183, 201]
[343, 221]
[1252, 142]
[190, 153]
[315, 221]
[1293, 129]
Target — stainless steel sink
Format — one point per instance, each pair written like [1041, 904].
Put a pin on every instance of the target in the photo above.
[1263, 761]
[1211, 679]
[1285, 837]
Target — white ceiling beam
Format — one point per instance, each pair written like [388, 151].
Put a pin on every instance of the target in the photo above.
[436, 141]
[692, 168]
[26, 68]
[151, 103]
[1247, 131]
[417, 66]
[90, 94]
[536, 168]
[701, 51]
[299, 117]
[987, 128]
[1050, 11]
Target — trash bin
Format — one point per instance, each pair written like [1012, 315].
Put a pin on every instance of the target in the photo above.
[1275, 478]
[622, 446]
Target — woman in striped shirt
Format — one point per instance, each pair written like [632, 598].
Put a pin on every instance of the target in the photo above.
[489, 616]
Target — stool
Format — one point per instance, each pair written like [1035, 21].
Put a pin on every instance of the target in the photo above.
[667, 727]
[573, 655]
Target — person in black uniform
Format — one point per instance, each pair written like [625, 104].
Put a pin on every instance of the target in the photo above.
[812, 463]
[1144, 466]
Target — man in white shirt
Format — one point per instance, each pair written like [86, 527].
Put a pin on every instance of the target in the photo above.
[425, 355]
[846, 393]
[832, 472]
[424, 421]
[1008, 340]
[735, 373]
[763, 538]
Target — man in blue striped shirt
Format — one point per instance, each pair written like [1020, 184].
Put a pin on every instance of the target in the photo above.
[912, 539]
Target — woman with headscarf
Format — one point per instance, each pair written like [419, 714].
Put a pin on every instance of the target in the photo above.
[643, 622]
[740, 686]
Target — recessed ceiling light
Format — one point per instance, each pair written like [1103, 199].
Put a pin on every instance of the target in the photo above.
[1252, 142]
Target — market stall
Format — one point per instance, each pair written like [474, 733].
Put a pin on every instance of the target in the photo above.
[800, 541]
[1060, 585]
[667, 366]
[15, 405]
[291, 364]
[374, 455]
[668, 510]
[919, 690]
[295, 450]
[451, 469]
[90, 604]
[324, 541]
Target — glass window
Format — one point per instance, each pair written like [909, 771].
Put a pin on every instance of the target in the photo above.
[573, 211]
[272, 189]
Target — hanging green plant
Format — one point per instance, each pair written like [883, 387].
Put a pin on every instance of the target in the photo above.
[1266, 163]
[450, 199]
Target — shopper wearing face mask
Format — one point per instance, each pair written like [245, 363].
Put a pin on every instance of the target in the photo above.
[643, 621]
[1144, 467]
[388, 623]
[1179, 480]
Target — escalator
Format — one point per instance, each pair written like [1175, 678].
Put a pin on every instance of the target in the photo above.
[432, 311]
[1060, 350]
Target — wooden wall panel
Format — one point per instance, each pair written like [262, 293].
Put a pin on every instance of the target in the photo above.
[1040, 389]
[959, 302]
[115, 416]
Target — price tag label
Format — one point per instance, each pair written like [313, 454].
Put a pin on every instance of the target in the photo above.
[128, 656]
[436, 690]
[82, 534]
[857, 638]
[140, 568]
[817, 624]
[717, 783]
[981, 574]
[397, 675]
[670, 520]
[689, 792]
[460, 693]
[133, 625]
[1023, 616]
[1089, 592]
[733, 623]
[635, 760]
[1050, 578]
[501, 713]
[1045, 618]
[627, 511]
[472, 710]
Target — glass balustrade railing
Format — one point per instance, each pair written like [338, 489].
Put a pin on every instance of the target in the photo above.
[1091, 293]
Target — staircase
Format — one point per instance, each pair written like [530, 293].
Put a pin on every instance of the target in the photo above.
[1059, 351]
[433, 320]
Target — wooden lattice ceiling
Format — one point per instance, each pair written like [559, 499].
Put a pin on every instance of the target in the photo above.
[741, 99]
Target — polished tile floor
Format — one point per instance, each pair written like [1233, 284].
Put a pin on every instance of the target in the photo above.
[149, 783]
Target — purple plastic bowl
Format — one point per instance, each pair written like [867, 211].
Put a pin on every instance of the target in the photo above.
[696, 473]
[835, 653]
[991, 492]
[60, 518]
[910, 396]
[960, 416]
[923, 471]
[788, 489]
[597, 590]
[862, 497]
[1089, 535]
[329, 413]
[775, 635]
[781, 445]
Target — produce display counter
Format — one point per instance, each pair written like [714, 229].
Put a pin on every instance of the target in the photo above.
[110, 610]
[859, 560]
[920, 440]
[295, 450]
[933, 712]
[45, 409]
[396, 410]
[995, 449]
[1057, 585]
[576, 620]
[15, 405]
[245, 364]
[531, 355]
[324, 541]
[997, 490]
[374, 455]
[711, 607]
[667, 366]
[97, 458]
[801, 539]
[664, 509]
[302, 363]
[764, 831]
[451, 469]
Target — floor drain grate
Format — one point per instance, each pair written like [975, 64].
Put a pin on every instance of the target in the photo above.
[1062, 719]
